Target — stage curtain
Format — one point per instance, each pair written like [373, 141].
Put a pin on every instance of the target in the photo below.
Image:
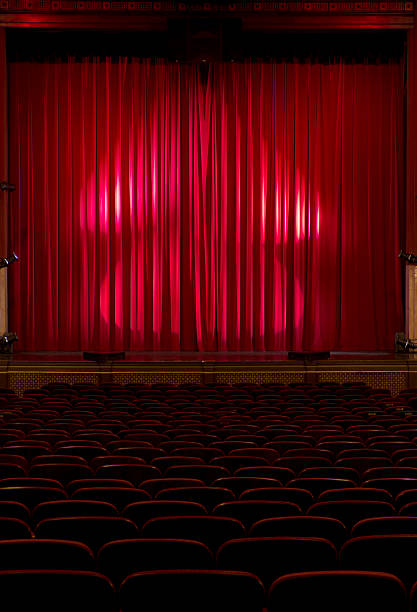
[222, 207]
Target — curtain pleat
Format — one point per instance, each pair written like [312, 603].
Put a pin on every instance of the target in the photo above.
[230, 207]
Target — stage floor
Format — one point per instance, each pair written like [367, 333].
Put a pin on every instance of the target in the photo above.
[393, 371]
[229, 356]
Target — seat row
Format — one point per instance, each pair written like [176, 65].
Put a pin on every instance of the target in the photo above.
[268, 558]
[203, 590]
[335, 521]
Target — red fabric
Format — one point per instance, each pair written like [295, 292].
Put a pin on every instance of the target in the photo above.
[246, 207]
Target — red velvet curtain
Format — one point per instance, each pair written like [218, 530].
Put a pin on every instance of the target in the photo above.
[230, 207]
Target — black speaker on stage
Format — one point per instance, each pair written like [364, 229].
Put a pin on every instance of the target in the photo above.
[308, 355]
[103, 357]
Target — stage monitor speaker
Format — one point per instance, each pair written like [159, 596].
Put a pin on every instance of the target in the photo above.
[308, 355]
[103, 357]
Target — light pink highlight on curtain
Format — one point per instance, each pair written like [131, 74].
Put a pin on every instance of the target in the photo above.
[195, 215]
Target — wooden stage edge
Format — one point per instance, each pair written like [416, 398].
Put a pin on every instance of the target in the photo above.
[379, 370]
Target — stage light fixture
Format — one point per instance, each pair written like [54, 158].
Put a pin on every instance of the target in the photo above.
[6, 342]
[403, 344]
[7, 186]
[408, 257]
[6, 261]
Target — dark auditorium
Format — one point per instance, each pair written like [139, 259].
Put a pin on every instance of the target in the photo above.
[208, 306]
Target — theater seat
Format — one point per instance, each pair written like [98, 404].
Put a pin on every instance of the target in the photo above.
[301, 527]
[11, 528]
[207, 496]
[119, 496]
[143, 511]
[211, 530]
[350, 512]
[44, 554]
[72, 507]
[385, 525]
[301, 497]
[31, 496]
[394, 554]
[94, 531]
[250, 511]
[192, 590]
[341, 591]
[119, 559]
[269, 558]
[154, 485]
[52, 590]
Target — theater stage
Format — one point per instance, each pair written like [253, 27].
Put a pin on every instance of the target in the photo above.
[392, 371]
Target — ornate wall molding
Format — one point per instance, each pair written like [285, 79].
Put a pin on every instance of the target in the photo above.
[264, 14]
[238, 8]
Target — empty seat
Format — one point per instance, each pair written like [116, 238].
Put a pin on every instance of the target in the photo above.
[93, 531]
[42, 459]
[382, 553]
[393, 485]
[329, 472]
[211, 530]
[301, 497]
[349, 511]
[250, 511]
[297, 464]
[28, 450]
[271, 557]
[393, 471]
[385, 525]
[238, 484]
[406, 497]
[10, 470]
[119, 559]
[191, 590]
[303, 527]
[234, 462]
[206, 473]
[269, 471]
[31, 496]
[119, 496]
[87, 483]
[96, 462]
[87, 451]
[49, 590]
[266, 453]
[361, 464]
[356, 493]
[209, 497]
[30, 481]
[32, 553]
[133, 473]
[12, 509]
[205, 453]
[62, 472]
[71, 507]
[141, 512]
[318, 485]
[343, 591]
[408, 510]
[13, 529]
[154, 485]
[163, 463]
[144, 452]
